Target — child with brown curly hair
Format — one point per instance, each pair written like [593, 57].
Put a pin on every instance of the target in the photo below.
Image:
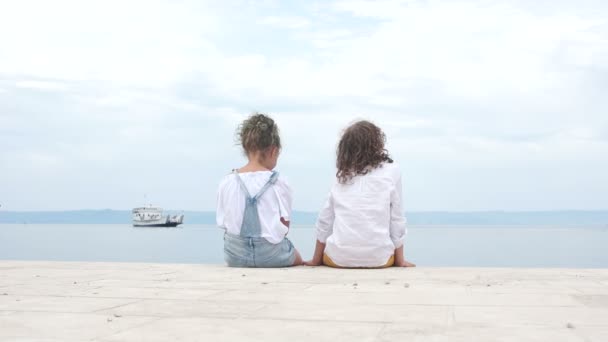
[362, 223]
[254, 202]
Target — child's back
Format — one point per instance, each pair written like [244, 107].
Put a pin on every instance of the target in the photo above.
[273, 205]
[367, 221]
[362, 223]
[254, 202]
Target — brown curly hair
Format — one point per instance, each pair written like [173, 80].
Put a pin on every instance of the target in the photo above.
[361, 149]
[258, 132]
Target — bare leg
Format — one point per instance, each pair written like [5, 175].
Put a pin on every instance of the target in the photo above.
[298, 260]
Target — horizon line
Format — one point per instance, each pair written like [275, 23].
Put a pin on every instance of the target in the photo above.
[311, 211]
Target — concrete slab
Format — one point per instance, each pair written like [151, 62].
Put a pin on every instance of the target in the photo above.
[211, 329]
[71, 301]
[57, 326]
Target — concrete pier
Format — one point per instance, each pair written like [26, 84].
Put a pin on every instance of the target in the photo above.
[76, 301]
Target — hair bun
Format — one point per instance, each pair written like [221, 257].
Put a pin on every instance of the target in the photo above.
[262, 125]
[258, 133]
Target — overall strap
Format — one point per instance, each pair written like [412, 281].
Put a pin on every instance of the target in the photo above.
[273, 179]
[241, 183]
[251, 226]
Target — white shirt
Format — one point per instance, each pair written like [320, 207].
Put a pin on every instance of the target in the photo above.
[272, 205]
[362, 222]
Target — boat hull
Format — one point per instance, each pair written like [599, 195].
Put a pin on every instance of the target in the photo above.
[153, 217]
[170, 224]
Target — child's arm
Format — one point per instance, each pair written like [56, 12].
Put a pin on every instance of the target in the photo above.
[286, 224]
[284, 195]
[400, 259]
[324, 228]
[317, 258]
[398, 226]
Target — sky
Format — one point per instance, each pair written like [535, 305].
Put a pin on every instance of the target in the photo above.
[487, 105]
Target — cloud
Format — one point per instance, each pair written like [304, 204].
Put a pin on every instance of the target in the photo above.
[476, 98]
[135, 42]
[41, 85]
[286, 22]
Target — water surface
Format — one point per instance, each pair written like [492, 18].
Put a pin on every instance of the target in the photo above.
[492, 246]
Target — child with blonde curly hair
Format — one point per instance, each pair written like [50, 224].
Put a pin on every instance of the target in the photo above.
[254, 202]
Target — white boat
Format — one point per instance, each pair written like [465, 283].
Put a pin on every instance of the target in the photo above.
[153, 217]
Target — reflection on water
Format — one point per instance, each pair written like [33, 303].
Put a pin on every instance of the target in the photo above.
[517, 246]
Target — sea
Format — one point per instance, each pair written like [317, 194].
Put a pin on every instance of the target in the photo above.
[554, 246]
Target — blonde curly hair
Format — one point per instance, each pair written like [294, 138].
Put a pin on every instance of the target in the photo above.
[258, 132]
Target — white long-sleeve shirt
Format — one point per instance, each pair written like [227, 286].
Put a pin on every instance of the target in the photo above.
[362, 222]
[274, 204]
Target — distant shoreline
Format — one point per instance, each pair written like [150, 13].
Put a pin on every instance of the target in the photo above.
[108, 216]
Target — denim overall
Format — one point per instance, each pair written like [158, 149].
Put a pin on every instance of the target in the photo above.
[249, 248]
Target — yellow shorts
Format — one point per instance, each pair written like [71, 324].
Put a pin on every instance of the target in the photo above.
[328, 262]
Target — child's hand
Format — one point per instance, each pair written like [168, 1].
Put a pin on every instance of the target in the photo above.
[404, 263]
[313, 263]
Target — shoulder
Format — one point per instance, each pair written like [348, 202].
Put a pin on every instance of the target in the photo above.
[392, 167]
[392, 170]
[226, 180]
[282, 183]
[227, 183]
